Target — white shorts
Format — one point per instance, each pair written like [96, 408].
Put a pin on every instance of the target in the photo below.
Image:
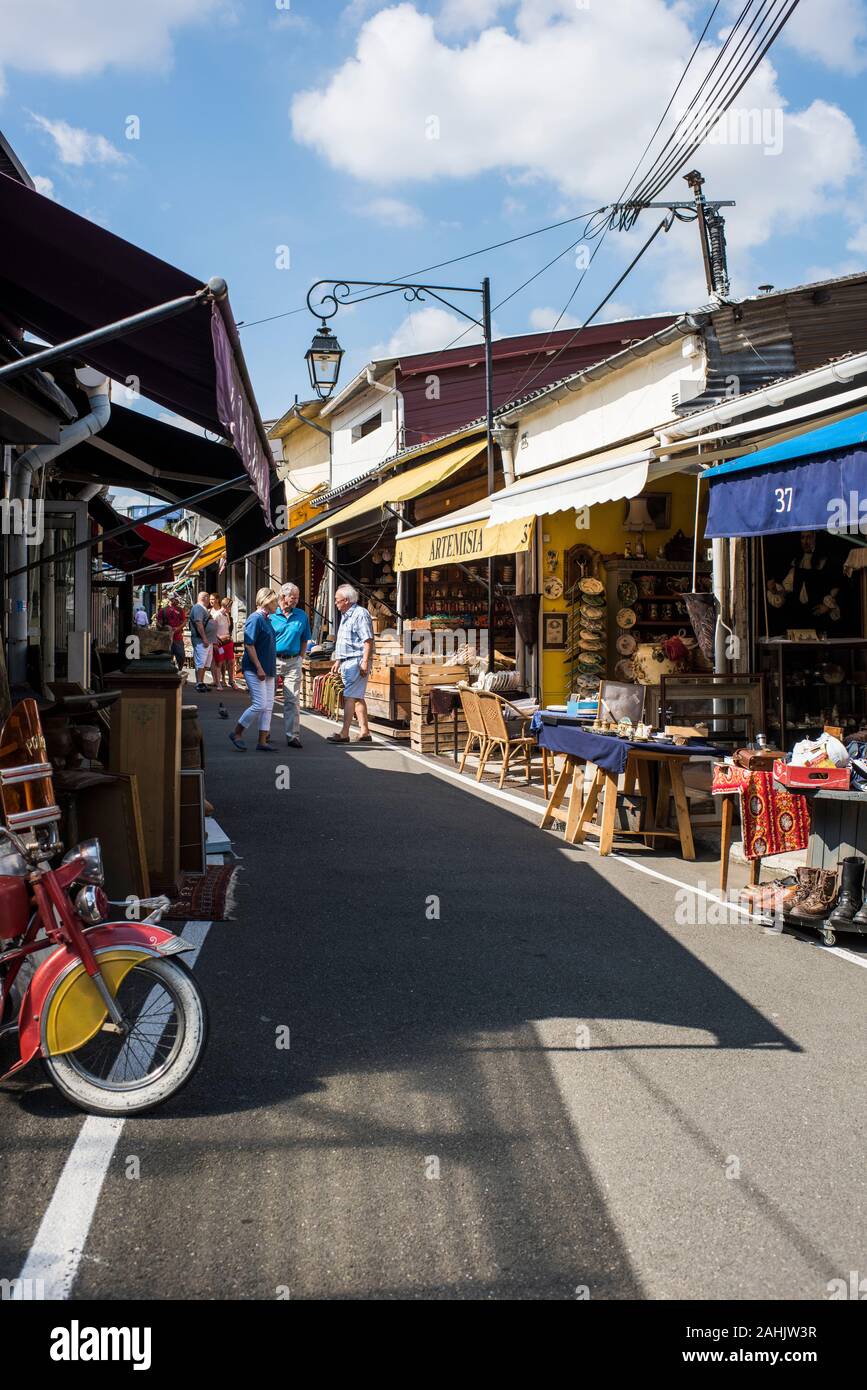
[203, 655]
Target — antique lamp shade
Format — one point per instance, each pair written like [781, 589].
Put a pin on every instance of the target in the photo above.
[638, 516]
[323, 361]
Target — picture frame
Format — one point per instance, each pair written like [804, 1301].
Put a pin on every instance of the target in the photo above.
[658, 508]
[555, 631]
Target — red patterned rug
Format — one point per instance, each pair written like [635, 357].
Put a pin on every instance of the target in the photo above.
[206, 898]
[774, 820]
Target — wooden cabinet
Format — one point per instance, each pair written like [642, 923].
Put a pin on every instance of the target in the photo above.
[388, 693]
[146, 741]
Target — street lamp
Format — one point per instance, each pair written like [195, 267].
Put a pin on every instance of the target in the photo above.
[323, 357]
[323, 361]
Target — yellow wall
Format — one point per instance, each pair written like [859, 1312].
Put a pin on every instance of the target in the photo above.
[606, 535]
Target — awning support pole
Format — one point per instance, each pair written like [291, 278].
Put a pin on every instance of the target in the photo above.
[158, 314]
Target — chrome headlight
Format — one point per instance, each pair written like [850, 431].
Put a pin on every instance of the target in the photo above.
[91, 904]
[91, 853]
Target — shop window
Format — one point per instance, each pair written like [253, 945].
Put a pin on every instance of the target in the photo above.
[368, 426]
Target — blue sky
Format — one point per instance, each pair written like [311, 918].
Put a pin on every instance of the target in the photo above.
[266, 125]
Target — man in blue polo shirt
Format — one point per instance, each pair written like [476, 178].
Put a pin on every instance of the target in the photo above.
[292, 630]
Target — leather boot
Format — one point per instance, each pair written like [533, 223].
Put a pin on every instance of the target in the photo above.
[860, 918]
[851, 892]
[817, 904]
[806, 884]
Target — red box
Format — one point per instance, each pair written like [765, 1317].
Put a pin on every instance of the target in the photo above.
[829, 779]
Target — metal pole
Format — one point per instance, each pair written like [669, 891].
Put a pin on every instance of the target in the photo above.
[158, 314]
[489, 401]
[188, 502]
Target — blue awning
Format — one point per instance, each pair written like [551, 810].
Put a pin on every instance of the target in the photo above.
[816, 481]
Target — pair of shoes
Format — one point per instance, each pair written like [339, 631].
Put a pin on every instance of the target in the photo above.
[294, 742]
[777, 896]
[237, 742]
[815, 896]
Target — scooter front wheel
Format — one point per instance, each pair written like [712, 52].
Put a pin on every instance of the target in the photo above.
[129, 1073]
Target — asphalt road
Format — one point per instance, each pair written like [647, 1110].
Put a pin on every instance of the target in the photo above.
[433, 1130]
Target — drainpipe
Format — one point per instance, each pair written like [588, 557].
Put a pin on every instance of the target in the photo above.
[505, 436]
[25, 471]
[398, 396]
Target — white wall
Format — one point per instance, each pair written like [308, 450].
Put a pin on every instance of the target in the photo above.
[634, 400]
[352, 458]
[305, 463]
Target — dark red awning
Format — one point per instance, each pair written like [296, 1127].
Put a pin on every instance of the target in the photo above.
[62, 276]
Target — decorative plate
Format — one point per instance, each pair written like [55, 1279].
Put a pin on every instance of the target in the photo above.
[626, 618]
[593, 600]
[626, 644]
[625, 670]
[590, 665]
[590, 644]
[591, 586]
[552, 587]
[627, 592]
[594, 617]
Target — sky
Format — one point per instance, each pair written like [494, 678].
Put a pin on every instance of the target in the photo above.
[276, 142]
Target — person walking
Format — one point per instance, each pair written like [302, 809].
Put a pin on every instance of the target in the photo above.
[173, 616]
[222, 626]
[259, 665]
[292, 630]
[229, 644]
[353, 657]
[203, 634]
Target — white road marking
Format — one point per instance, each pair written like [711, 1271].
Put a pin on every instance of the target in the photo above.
[497, 794]
[58, 1248]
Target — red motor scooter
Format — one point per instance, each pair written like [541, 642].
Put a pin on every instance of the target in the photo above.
[118, 1021]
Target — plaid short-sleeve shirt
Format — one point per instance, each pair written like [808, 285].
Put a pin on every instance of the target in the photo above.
[355, 629]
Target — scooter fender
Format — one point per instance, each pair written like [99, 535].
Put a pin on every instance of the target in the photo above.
[62, 1008]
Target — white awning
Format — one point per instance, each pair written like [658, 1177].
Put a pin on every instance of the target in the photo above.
[606, 477]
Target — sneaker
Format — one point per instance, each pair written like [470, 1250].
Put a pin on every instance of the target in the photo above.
[294, 742]
[237, 742]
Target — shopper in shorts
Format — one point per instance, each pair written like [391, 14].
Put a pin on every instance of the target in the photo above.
[222, 626]
[203, 633]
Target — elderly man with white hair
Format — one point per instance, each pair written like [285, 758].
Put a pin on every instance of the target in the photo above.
[292, 630]
[353, 659]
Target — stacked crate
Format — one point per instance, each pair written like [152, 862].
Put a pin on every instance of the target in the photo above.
[422, 677]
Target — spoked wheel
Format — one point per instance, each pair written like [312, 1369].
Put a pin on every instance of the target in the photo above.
[127, 1074]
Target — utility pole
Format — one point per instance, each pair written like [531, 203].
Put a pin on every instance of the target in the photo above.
[711, 226]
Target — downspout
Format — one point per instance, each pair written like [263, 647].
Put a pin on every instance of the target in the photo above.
[24, 474]
[398, 395]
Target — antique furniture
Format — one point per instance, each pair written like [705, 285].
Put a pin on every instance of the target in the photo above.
[499, 735]
[146, 741]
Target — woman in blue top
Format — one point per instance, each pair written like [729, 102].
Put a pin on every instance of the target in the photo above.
[259, 665]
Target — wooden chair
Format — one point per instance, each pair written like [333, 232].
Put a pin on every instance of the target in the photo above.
[476, 731]
[499, 734]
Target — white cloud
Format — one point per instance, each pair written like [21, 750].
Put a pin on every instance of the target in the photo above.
[425, 330]
[858, 241]
[76, 38]
[76, 146]
[569, 98]
[44, 186]
[544, 320]
[460, 16]
[833, 32]
[392, 212]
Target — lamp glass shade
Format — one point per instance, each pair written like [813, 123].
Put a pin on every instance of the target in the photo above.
[323, 359]
[638, 516]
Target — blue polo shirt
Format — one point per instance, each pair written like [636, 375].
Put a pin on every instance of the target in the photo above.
[259, 633]
[292, 631]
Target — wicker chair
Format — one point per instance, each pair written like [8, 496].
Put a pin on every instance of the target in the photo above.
[499, 735]
[476, 731]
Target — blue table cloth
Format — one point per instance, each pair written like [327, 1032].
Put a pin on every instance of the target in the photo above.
[611, 753]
